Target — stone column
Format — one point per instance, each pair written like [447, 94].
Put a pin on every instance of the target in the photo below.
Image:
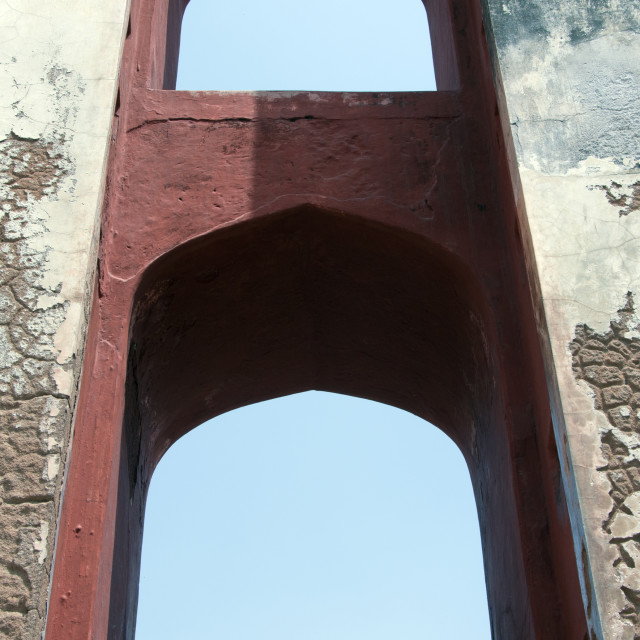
[570, 73]
[58, 79]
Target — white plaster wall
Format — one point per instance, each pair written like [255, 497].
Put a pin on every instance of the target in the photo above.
[58, 74]
[571, 77]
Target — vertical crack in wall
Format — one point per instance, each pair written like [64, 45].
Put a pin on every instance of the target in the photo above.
[34, 416]
[609, 363]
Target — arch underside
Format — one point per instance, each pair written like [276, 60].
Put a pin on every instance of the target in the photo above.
[308, 299]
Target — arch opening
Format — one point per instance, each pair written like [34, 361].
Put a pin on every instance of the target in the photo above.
[358, 46]
[316, 299]
[318, 515]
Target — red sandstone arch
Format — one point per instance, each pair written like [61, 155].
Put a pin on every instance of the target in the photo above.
[304, 299]
[211, 296]
[312, 299]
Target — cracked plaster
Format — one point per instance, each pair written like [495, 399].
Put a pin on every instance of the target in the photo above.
[607, 366]
[55, 116]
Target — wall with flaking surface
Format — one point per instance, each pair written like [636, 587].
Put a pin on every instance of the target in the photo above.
[58, 72]
[571, 73]
[571, 77]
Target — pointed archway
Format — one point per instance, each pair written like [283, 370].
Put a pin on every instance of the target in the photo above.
[314, 299]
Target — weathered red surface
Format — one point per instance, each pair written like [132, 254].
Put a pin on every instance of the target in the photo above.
[255, 245]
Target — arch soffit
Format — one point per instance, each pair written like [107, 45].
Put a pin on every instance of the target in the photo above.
[303, 299]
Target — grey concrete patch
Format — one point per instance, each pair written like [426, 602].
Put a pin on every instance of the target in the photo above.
[571, 74]
[518, 20]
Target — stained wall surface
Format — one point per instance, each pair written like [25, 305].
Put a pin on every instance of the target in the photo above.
[571, 77]
[58, 69]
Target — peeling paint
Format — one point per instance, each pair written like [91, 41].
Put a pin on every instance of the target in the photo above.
[55, 114]
[628, 198]
[40, 544]
[609, 364]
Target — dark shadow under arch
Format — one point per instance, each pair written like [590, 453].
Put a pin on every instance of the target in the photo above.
[307, 299]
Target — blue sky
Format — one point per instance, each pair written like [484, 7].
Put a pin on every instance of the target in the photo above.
[314, 516]
[335, 45]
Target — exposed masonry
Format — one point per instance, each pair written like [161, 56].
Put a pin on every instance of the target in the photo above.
[609, 363]
[626, 197]
[33, 416]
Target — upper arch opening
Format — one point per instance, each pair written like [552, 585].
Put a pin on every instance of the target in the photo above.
[289, 45]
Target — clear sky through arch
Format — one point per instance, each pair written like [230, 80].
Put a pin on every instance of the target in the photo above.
[335, 45]
[315, 516]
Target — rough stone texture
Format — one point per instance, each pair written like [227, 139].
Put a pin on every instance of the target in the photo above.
[609, 364]
[628, 198]
[571, 77]
[55, 114]
[34, 414]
